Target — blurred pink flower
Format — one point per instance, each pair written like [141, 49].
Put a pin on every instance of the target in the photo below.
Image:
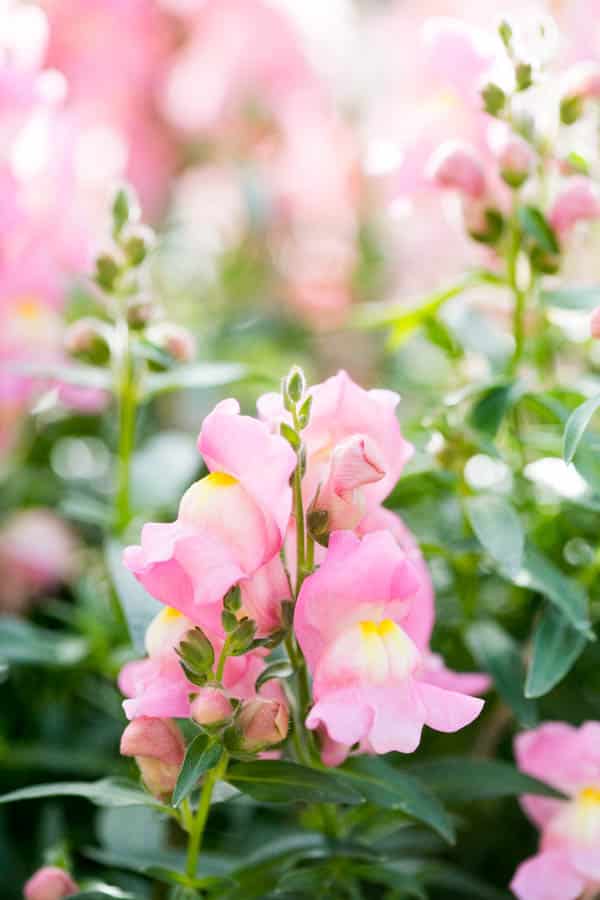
[50, 883]
[368, 684]
[159, 750]
[577, 201]
[568, 862]
[455, 165]
[38, 552]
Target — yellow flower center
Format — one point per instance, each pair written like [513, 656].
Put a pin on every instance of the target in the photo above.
[590, 796]
[370, 629]
[169, 614]
[28, 308]
[220, 479]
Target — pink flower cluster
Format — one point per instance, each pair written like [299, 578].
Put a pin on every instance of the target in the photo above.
[567, 865]
[363, 620]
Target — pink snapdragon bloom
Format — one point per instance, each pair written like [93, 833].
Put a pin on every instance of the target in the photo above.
[263, 595]
[582, 81]
[595, 323]
[577, 201]
[568, 862]
[157, 686]
[352, 623]
[50, 883]
[420, 619]
[38, 552]
[455, 165]
[159, 750]
[230, 523]
[346, 416]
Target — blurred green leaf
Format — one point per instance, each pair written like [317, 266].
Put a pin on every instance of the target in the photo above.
[201, 755]
[534, 223]
[585, 297]
[576, 425]
[106, 792]
[137, 604]
[76, 374]
[23, 643]
[383, 785]
[461, 780]
[199, 375]
[100, 891]
[497, 653]
[495, 402]
[277, 781]
[498, 529]
[166, 866]
[163, 469]
[556, 647]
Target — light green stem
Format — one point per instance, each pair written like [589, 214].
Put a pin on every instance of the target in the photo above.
[519, 295]
[127, 405]
[201, 817]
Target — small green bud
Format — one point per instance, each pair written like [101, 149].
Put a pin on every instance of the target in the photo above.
[295, 384]
[523, 75]
[571, 109]
[196, 652]
[125, 208]
[107, 272]
[304, 412]
[291, 436]
[494, 99]
[318, 526]
[241, 638]
[505, 32]
[232, 601]
[229, 620]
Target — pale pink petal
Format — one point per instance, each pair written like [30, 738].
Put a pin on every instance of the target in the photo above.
[446, 710]
[547, 876]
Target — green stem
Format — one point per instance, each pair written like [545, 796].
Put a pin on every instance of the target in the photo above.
[310, 553]
[519, 295]
[221, 663]
[199, 821]
[300, 530]
[127, 404]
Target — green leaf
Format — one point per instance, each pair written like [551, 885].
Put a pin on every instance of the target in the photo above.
[388, 787]
[278, 669]
[27, 644]
[166, 866]
[495, 402]
[460, 883]
[536, 226]
[570, 599]
[106, 792]
[137, 604]
[498, 529]
[462, 780]
[497, 653]
[494, 99]
[99, 891]
[172, 454]
[79, 375]
[576, 425]
[198, 375]
[585, 297]
[277, 781]
[556, 647]
[201, 755]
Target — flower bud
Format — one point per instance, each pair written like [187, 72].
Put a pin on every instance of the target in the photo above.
[262, 723]
[483, 221]
[179, 342]
[456, 166]
[578, 201]
[595, 323]
[210, 706]
[158, 748]
[581, 82]
[355, 462]
[141, 311]
[136, 244]
[49, 883]
[87, 338]
[516, 159]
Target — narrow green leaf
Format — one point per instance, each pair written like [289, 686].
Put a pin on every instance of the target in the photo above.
[201, 755]
[534, 223]
[198, 375]
[497, 653]
[461, 780]
[278, 669]
[277, 781]
[585, 297]
[498, 529]
[79, 375]
[99, 891]
[23, 643]
[576, 426]
[570, 599]
[137, 604]
[495, 402]
[556, 647]
[106, 792]
[388, 787]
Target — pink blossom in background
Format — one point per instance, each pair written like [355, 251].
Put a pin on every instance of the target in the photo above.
[351, 621]
[577, 201]
[229, 524]
[159, 750]
[568, 861]
[38, 552]
[50, 883]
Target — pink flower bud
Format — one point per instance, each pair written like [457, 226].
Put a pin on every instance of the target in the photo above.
[49, 883]
[210, 707]
[456, 166]
[354, 463]
[87, 337]
[178, 341]
[263, 723]
[516, 159]
[482, 220]
[158, 748]
[582, 81]
[578, 201]
[595, 323]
